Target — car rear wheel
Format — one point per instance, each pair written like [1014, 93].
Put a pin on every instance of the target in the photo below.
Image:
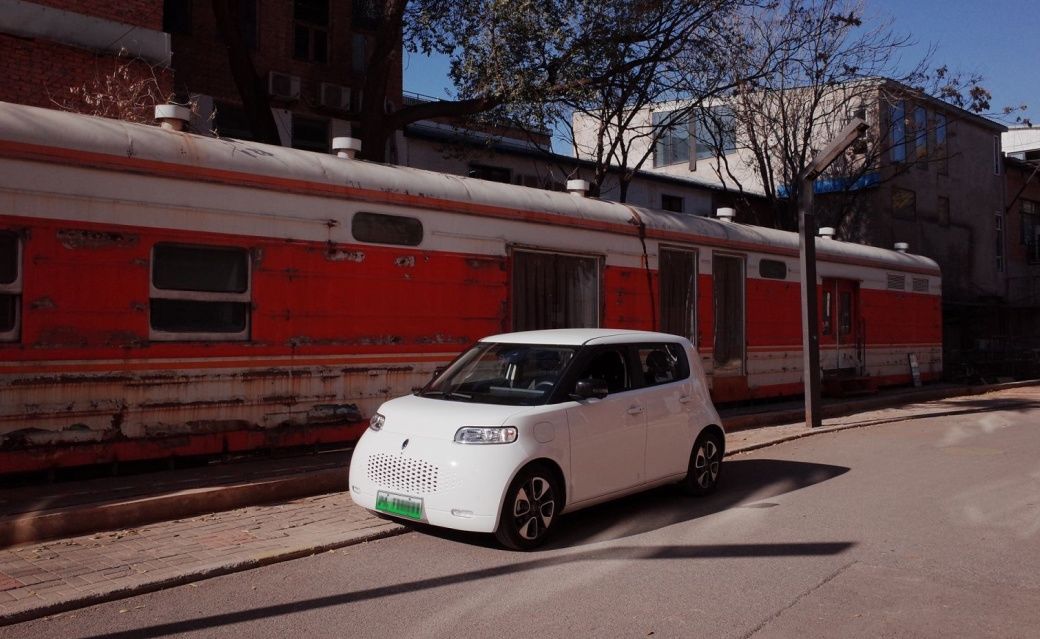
[529, 510]
[702, 477]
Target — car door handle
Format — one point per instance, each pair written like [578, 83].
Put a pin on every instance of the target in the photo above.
[635, 410]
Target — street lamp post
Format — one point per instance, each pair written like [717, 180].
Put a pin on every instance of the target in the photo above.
[807, 262]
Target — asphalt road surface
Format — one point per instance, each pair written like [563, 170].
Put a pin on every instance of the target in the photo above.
[921, 528]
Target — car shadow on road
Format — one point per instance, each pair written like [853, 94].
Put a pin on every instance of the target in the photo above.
[746, 483]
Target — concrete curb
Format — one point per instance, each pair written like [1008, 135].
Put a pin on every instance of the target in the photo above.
[80, 520]
[760, 420]
[386, 529]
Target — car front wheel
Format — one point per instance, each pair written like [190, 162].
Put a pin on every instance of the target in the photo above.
[529, 509]
[702, 476]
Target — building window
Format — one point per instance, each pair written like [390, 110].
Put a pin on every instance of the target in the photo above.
[377, 228]
[311, 30]
[715, 132]
[943, 210]
[10, 286]
[310, 134]
[672, 203]
[998, 158]
[673, 139]
[904, 203]
[897, 133]
[921, 136]
[490, 173]
[998, 225]
[1030, 233]
[366, 15]
[940, 143]
[772, 269]
[199, 293]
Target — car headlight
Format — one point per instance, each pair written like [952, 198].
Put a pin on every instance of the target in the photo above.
[376, 422]
[485, 435]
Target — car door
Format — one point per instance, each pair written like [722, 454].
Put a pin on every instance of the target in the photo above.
[669, 402]
[608, 435]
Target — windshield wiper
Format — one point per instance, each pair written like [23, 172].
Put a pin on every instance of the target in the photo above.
[446, 394]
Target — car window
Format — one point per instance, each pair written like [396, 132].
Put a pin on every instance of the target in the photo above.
[516, 374]
[610, 366]
[663, 363]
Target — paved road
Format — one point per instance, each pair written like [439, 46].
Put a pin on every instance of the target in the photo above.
[921, 528]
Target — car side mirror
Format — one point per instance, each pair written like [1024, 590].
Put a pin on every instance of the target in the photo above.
[590, 387]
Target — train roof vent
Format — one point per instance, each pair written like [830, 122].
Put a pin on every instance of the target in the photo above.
[172, 117]
[896, 282]
[578, 187]
[346, 147]
[902, 247]
[826, 232]
[726, 214]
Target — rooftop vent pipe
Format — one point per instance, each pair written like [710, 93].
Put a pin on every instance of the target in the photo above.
[578, 187]
[172, 117]
[902, 247]
[346, 147]
[826, 232]
[726, 214]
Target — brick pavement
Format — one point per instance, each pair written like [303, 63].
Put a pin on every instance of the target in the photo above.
[45, 578]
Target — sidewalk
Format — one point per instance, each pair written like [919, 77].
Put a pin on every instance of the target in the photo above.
[39, 579]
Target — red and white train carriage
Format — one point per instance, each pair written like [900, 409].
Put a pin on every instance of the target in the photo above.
[165, 294]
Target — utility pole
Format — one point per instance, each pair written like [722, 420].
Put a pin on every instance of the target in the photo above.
[807, 263]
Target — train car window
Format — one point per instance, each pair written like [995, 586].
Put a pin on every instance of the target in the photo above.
[379, 228]
[199, 292]
[10, 285]
[772, 269]
[552, 290]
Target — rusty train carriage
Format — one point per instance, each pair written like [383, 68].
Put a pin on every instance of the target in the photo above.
[163, 294]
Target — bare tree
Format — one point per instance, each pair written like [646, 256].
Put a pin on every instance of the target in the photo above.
[835, 64]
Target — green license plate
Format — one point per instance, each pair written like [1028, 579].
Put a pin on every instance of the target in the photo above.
[400, 505]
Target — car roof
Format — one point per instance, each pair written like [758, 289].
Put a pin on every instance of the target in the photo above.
[580, 336]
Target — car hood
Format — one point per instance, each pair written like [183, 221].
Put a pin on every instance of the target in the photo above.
[440, 419]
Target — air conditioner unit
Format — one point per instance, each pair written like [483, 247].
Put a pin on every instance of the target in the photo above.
[333, 96]
[283, 85]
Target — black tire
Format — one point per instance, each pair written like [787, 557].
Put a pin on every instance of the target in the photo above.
[526, 528]
[702, 477]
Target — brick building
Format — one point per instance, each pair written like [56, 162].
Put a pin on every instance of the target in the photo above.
[51, 48]
[311, 55]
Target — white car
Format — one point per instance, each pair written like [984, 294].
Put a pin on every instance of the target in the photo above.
[523, 427]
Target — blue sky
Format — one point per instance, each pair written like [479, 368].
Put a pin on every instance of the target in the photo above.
[999, 39]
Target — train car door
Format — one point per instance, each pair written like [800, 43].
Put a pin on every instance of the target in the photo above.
[841, 330]
[729, 374]
[678, 292]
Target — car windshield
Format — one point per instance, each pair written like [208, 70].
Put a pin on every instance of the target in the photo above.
[494, 373]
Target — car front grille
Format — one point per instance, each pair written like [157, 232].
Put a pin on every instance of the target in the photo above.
[405, 474]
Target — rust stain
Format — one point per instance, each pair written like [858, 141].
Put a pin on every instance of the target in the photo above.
[337, 255]
[59, 337]
[365, 370]
[125, 339]
[42, 304]
[478, 263]
[334, 413]
[200, 403]
[405, 261]
[80, 239]
[442, 339]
